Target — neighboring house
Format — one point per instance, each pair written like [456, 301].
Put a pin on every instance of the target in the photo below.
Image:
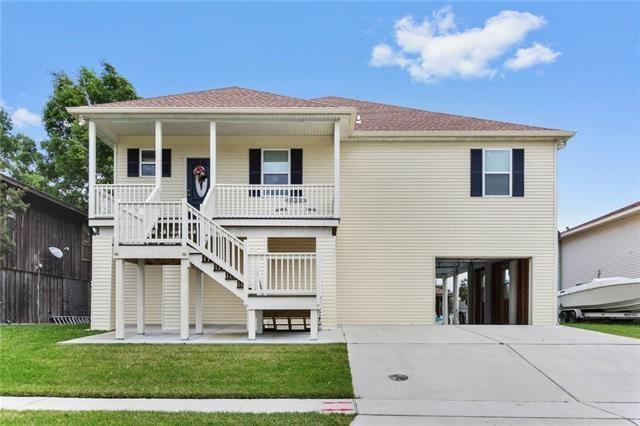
[607, 246]
[231, 202]
[48, 272]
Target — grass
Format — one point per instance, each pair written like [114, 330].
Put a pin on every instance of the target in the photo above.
[155, 418]
[627, 329]
[32, 364]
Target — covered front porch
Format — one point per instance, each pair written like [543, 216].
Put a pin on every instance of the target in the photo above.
[275, 167]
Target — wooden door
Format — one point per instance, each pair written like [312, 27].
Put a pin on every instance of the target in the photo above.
[522, 314]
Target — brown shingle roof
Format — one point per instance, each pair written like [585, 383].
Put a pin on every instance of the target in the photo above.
[382, 117]
[228, 97]
[373, 116]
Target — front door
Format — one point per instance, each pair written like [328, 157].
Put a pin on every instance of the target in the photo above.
[197, 180]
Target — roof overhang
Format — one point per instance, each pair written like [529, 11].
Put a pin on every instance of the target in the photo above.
[559, 136]
[601, 221]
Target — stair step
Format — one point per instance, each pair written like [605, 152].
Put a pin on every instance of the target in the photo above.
[228, 276]
[205, 259]
[217, 268]
[240, 284]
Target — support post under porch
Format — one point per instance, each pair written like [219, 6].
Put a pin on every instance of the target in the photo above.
[314, 324]
[445, 301]
[251, 324]
[119, 299]
[140, 298]
[184, 299]
[456, 292]
[199, 300]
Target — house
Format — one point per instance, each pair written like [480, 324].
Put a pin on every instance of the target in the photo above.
[48, 272]
[605, 247]
[231, 202]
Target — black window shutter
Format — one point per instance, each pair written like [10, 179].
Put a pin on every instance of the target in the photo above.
[476, 173]
[255, 170]
[296, 170]
[296, 167]
[518, 173]
[133, 162]
[166, 163]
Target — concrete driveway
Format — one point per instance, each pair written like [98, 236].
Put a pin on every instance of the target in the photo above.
[493, 375]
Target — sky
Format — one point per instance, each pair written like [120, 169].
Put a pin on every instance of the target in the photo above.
[572, 66]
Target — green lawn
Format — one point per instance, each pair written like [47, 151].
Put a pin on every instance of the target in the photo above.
[155, 418]
[627, 329]
[31, 363]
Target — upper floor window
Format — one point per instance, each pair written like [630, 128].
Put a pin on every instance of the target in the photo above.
[497, 172]
[147, 162]
[275, 166]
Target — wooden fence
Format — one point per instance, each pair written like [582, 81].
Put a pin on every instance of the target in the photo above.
[28, 297]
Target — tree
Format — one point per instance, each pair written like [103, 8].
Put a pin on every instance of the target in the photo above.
[19, 155]
[66, 150]
[463, 291]
[10, 205]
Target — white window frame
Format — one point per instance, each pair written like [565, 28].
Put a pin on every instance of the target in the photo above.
[140, 162]
[262, 173]
[510, 172]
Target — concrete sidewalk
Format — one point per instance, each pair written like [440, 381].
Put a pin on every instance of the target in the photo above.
[175, 405]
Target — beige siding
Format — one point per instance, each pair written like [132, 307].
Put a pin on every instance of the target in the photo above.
[220, 306]
[152, 293]
[406, 203]
[233, 158]
[613, 249]
[170, 297]
[326, 249]
[102, 292]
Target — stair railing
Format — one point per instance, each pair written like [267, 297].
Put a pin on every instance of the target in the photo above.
[212, 240]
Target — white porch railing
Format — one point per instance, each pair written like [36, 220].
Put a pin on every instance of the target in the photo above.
[284, 274]
[273, 201]
[154, 222]
[105, 197]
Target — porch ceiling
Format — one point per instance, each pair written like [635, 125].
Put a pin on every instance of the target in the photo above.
[112, 128]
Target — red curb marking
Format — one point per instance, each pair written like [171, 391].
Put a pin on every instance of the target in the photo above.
[337, 402]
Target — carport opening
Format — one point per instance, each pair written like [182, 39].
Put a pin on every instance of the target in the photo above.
[482, 291]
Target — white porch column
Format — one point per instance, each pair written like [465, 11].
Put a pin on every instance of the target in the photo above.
[158, 153]
[259, 322]
[92, 167]
[199, 300]
[120, 299]
[140, 298]
[251, 324]
[314, 324]
[184, 299]
[445, 301]
[213, 154]
[456, 304]
[336, 167]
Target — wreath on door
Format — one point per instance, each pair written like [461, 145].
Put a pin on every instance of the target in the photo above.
[200, 180]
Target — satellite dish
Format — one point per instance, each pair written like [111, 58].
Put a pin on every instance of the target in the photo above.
[56, 252]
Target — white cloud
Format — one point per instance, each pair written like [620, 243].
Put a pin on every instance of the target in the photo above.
[434, 49]
[22, 118]
[536, 54]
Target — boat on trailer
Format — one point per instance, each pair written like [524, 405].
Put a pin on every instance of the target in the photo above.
[617, 297]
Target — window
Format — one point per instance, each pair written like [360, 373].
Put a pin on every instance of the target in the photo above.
[85, 252]
[497, 172]
[275, 167]
[147, 162]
